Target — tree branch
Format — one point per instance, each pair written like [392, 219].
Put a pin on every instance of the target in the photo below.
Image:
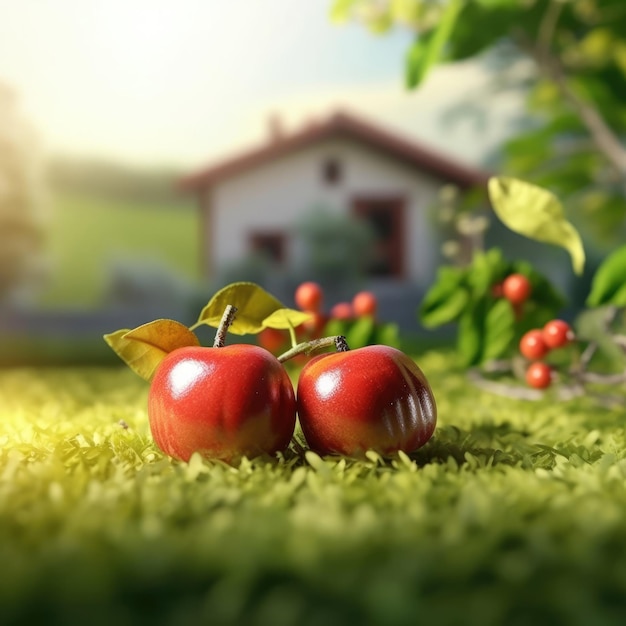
[547, 27]
[503, 389]
[603, 379]
[603, 136]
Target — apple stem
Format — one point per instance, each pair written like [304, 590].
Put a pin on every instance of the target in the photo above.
[225, 322]
[307, 347]
[341, 344]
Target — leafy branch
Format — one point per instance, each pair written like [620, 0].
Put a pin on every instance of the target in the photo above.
[551, 67]
[490, 328]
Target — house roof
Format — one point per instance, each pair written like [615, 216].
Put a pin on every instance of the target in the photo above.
[340, 125]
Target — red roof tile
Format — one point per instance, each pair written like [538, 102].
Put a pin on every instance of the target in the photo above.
[341, 124]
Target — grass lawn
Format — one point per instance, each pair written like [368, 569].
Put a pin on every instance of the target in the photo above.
[515, 513]
[88, 233]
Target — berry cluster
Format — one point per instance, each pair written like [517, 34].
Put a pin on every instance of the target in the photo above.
[309, 297]
[537, 343]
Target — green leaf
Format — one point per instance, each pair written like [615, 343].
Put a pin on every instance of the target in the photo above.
[428, 48]
[144, 347]
[448, 311]
[499, 330]
[447, 298]
[469, 337]
[254, 305]
[387, 334]
[284, 319]
[609, 282]
[494, 4]
[486, 331]
[591, 325]
[487, 269]
[535, 213]
[337, 327]
[361, 332]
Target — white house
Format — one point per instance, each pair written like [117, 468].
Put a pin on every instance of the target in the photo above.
[251, 201]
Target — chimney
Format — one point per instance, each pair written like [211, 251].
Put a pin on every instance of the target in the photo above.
[275, 128]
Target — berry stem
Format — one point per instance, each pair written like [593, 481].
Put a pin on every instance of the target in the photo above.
[503, 389]
[227, 319]
[587, 355]
[603, 379]
[307, 347]
[292, 335]
[620, 340]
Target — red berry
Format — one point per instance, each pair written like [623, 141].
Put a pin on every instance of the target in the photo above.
[342, 311]
[364, 303]
[557, 333]
[539, 375]
[314, 327]
[308, 297]
[516, 288]
[532, 345]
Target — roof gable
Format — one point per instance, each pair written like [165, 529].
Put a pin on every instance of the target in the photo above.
[341, 125]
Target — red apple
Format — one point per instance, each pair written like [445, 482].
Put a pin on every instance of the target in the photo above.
[374, 397]
[221, 402]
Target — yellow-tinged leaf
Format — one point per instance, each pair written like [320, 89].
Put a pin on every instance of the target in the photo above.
[284, 319]
[116, 342]
[536, 213]
[144, 347]
[253, 304]
[164, 334]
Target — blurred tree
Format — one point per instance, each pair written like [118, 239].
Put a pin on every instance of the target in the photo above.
[23, 213]
[572, 54]
[338, 247]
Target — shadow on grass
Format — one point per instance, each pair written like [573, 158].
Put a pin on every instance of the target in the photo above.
[490, 445]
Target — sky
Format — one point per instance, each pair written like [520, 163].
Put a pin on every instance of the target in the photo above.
[184, 82]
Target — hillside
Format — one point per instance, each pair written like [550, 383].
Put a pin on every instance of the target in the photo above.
[109, 221]
[111, 180]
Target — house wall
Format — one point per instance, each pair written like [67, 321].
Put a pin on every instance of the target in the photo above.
[273, 196]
